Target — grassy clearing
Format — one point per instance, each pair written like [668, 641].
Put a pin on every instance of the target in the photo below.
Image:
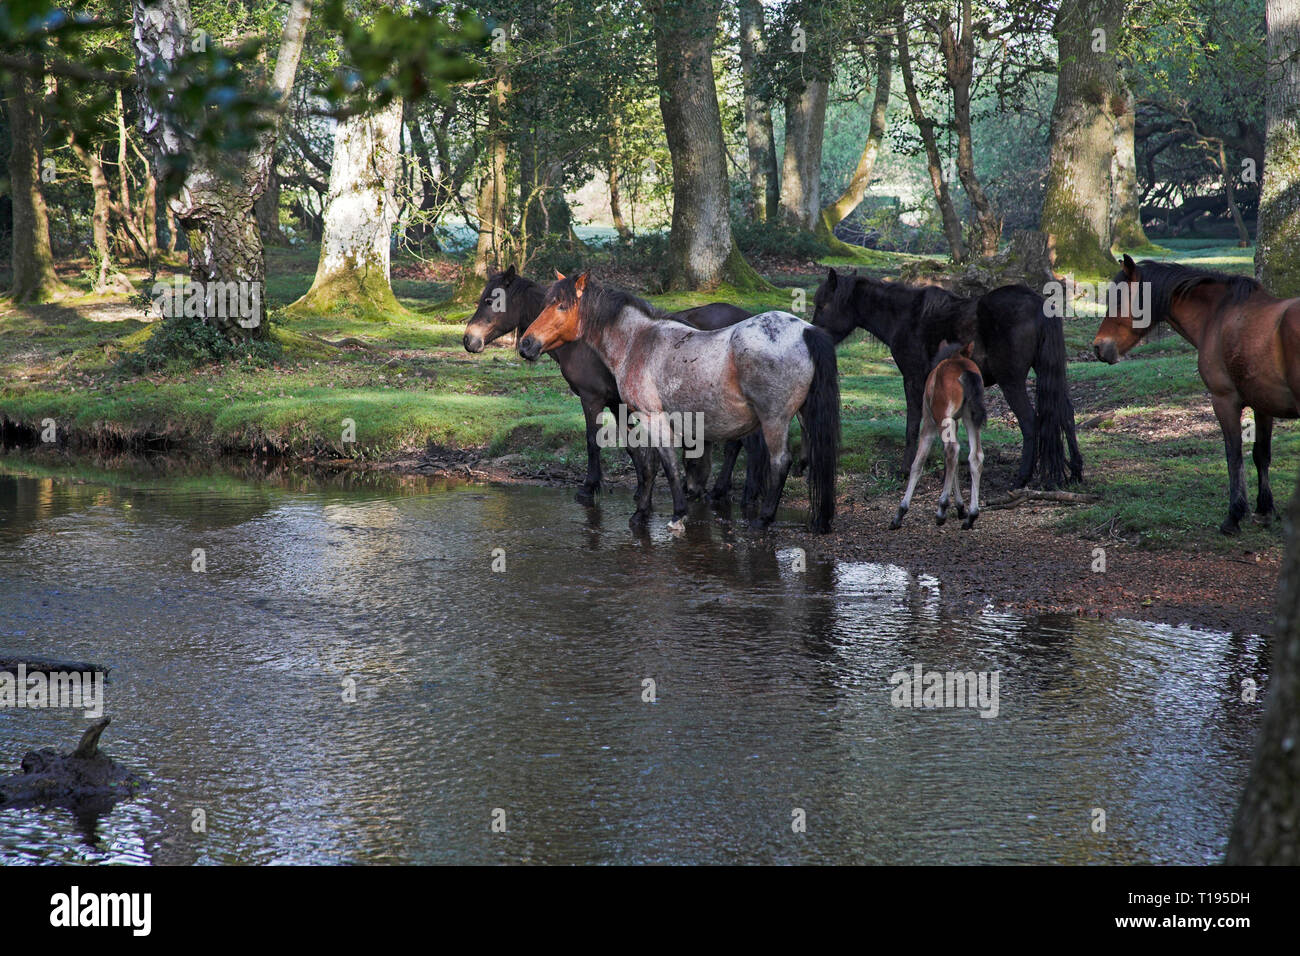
[1151, 446]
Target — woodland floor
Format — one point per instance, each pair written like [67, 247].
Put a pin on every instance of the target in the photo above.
[1153, 454]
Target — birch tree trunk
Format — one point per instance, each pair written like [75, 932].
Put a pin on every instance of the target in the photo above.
[701, 251]
[34, 279]
[1277, 243]
[360, 213]
[1077, 200]
[215, 212]
[836, 212]
[493, 190]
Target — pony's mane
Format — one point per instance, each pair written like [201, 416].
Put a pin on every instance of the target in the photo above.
[923, 301]
[947, 352]
[1171, 280]
[601, 304]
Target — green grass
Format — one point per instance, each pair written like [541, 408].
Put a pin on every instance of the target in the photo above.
[418, 387]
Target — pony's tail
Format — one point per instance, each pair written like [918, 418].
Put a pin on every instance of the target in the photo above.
[1053, 409]
[972, 384]
[757, 468]
[822, 429]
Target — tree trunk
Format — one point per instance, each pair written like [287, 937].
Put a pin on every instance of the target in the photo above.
[764, 180]
[1267, 827]
[934, 161]
[215, 213]
[959, 60]
[1277, 248]
[615, 193]
[267, 211]
[1126, 212]
[360, 212]
[835, 213]
[1229, 195]
[99, 217]
[701, 251]
[493, 192]
[1076, 203]
[801, 163]
[34, 279]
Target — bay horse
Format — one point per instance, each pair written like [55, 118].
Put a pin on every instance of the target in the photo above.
[510, 302]
[1011, 333]
[754, 375]
[1247, 351]
[954, 390]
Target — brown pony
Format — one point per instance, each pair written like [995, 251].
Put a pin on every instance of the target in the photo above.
[954, 390]
[1248, 354]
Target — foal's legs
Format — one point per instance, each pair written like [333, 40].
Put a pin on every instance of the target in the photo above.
[976, 467]
[918, 466]
[777, 436]
[1263, 454]
[1228, 410]
[951, 473]
[1017, 397]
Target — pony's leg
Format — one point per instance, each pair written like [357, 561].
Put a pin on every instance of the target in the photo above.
[592, 406]
[913, 391]
[697, 472]
[668, 458]
[777, 436]
[1017, 397]
[951, 478]
[1228, 411]
[647, 465]
[976, 467]
[1262, 453]
[918, 466]
[722, 487]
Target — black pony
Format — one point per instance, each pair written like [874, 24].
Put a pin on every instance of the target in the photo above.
[1012, 333]
[510, 302]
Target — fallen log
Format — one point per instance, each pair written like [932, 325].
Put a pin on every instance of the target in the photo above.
[85, 779]
[1021, 495]
[9, 663]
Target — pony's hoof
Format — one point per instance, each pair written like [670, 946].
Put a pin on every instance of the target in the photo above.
[939, 519]
[758, 524]
[584, 496]
[678, 524]
[1230, 527]
[638, 521]
[1263, 518]
[969, 522]
[961, 511]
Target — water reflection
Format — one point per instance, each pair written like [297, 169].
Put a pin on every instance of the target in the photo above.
[525, 691]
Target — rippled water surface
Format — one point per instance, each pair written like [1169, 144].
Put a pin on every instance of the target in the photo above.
[520, 695]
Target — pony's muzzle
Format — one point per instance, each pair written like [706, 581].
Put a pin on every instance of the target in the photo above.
[530, 348]
[1106, 351]
[473, 343]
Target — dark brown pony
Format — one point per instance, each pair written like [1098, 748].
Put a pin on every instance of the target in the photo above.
[510, 302]
[954, 391]
[1248, 354]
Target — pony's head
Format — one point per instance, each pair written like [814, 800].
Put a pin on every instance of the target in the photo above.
[1117, 333]
[560, 320]
[830, 311]
[498, 310]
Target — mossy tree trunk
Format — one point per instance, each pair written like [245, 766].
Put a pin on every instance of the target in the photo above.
[493, 190]
[1126, 230]
[801, 161]
[764, 178]
[215, 211]
[1277, 248]
[99, 217]
[1267, 827]
[360, 213]
[34, 279]
[701, 251]
[836, 212]
[1077, 199]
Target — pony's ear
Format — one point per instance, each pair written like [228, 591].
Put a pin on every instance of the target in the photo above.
[559, 274]
[1130, 267]
[943, 344]
[968, 350]
[510, 273]
[579, 284]
[831, 277]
